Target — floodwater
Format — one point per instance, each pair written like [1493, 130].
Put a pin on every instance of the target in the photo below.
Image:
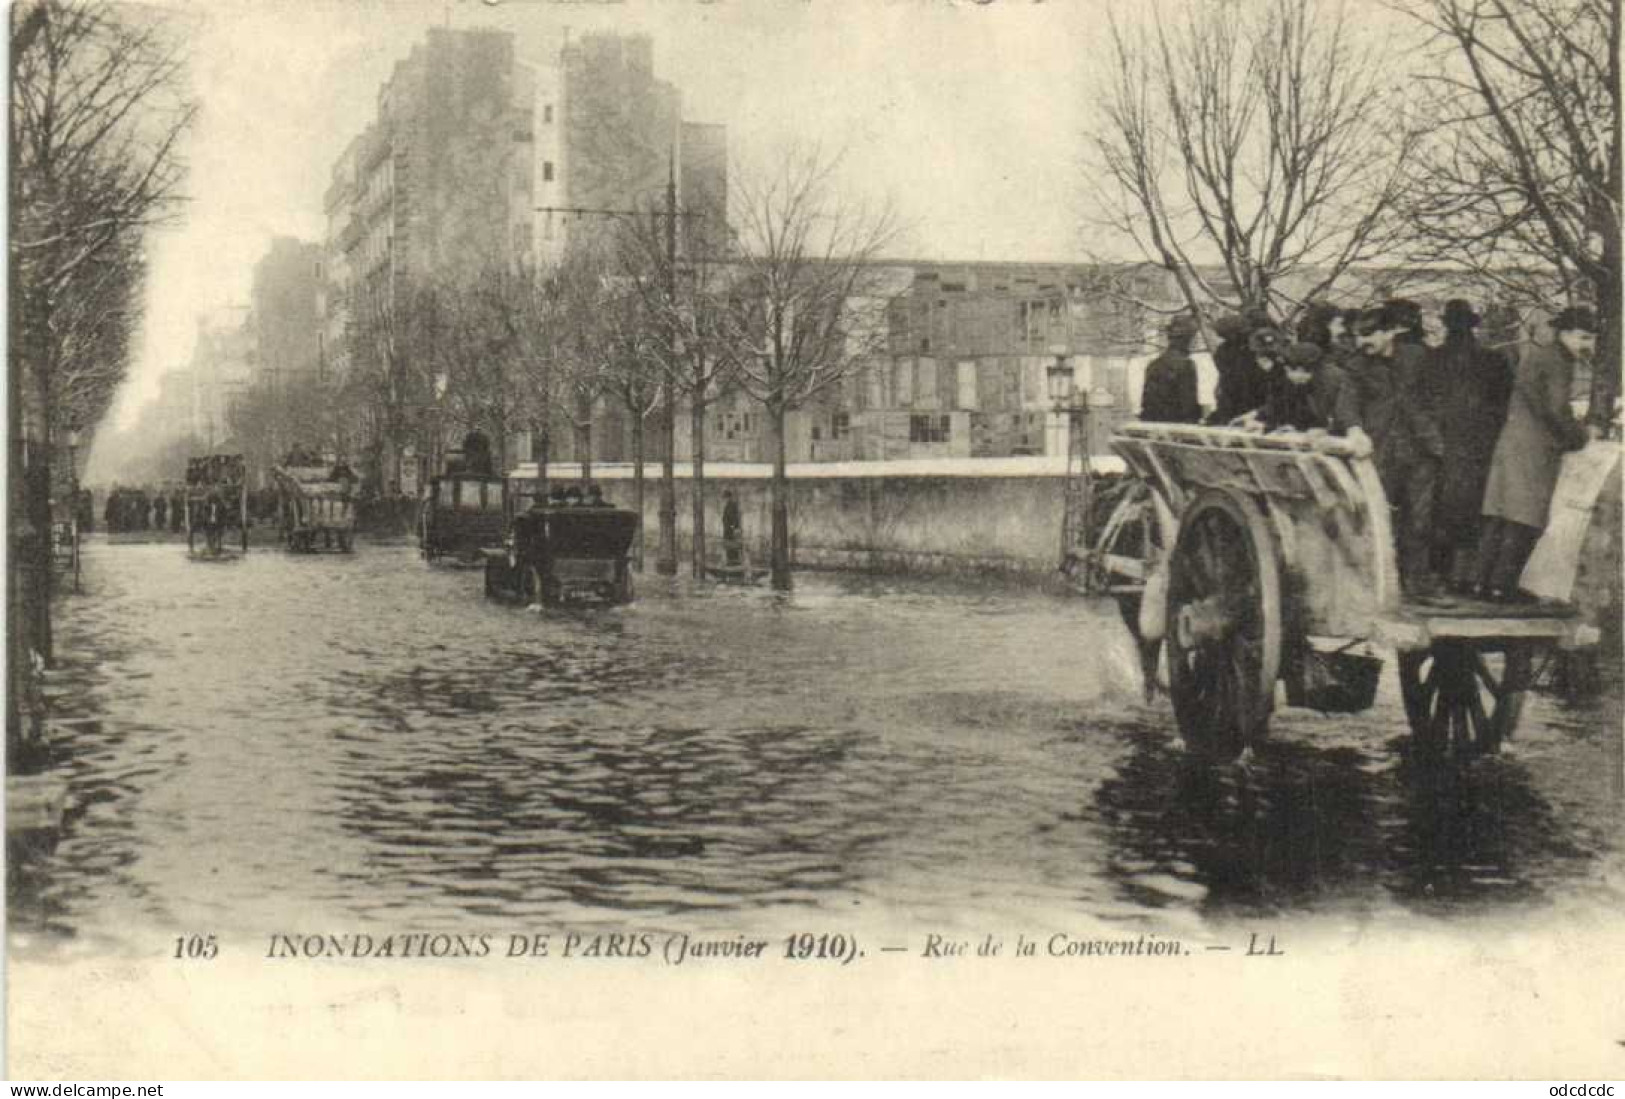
[327, 743]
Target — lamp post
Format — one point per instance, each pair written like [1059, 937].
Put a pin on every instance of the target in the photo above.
[1071, 409]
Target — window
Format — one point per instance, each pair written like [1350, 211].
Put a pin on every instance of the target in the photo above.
[929, 429]
[547, 171]
[840, 425]
[967, 384]
[1034, 319]
[448, 494]
[925, 383]
[547, 113]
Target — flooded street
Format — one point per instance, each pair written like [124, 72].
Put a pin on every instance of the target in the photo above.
[326, 743]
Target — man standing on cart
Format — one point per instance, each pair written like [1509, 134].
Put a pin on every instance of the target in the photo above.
[1169, 392]
[1474, 383]
[1390, 402]
[1540, 426]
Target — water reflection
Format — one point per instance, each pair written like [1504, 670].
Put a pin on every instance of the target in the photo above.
[317, 743]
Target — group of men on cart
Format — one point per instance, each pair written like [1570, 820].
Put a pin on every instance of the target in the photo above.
[1467, 442]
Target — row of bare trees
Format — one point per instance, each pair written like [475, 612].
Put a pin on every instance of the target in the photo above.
[97, 114]
[1288, 143]
[789, 307]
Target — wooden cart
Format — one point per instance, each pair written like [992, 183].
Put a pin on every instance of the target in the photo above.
[216, 502]
[1282, 567]
[554, 554]
[314, 507]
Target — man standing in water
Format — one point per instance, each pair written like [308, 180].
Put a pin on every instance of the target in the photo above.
[733, 528]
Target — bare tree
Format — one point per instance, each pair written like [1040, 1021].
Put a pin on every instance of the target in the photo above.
[808, 305]
[1519, 185]
[684, 297]
[98, 111]
[1256, 139]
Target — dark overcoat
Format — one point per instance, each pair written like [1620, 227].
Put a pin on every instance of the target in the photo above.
[1473, 383]
[1243, 384]
[1169, 393]
[1390, 400]
[1539, 427]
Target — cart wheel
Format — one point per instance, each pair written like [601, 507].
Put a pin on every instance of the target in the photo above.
[1461, 699]
[531, 586]
[491, 588]
[245, 534]
[1131, 541]
[624, 589]
[1224, 625]
[424, 546]
[191, 531]
[345, 545]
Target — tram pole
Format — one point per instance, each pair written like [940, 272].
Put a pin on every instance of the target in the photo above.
[666, 560]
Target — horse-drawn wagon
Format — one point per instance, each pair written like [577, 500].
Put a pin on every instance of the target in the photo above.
[1258, 559]
[315, 503]
[216, 501]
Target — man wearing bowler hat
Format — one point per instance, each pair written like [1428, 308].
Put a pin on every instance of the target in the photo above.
[1169, 392]
[1528, 456]
[1473, 383]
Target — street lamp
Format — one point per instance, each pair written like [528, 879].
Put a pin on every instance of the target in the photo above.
[1079, 483]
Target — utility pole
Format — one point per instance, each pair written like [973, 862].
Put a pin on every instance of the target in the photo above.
[666, 551]
[666, 560]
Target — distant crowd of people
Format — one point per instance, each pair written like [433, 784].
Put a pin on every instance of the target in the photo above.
[144, 508]
[1467, 442]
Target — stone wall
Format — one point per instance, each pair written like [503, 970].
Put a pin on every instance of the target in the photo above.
[930, 523]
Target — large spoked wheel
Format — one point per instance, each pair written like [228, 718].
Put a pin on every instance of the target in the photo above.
[1223, 625]
[624, 590]
[1462, 700]
[346, 545]
[1131, 542]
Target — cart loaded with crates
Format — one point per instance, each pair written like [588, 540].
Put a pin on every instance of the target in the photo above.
[1265, 559]
[315, 506]
[216, 503]
[556, 554]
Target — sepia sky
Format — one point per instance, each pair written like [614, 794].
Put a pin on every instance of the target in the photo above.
[967, 115]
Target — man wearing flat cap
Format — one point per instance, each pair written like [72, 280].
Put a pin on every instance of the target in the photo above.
[1389, 401]
[1528, 456]
[1169, 392]
[1473, 383]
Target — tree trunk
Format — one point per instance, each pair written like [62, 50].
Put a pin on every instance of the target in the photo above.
[1605, 375]
[583, 426]
[696, 480]
[666, 563]
[781, 505]
[637, 480]
[38, 488]
[540, 444]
